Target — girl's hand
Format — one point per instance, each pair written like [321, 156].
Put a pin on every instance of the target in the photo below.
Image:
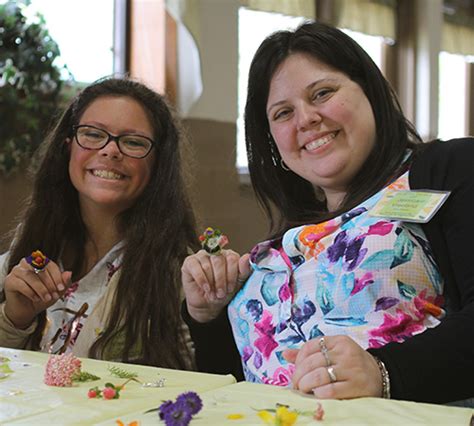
[210, 281]
[356, 371]
[27, 293]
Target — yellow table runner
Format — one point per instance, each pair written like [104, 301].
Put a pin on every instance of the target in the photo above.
[25, 399]
[41, 404]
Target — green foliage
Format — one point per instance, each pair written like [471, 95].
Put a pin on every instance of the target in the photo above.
[84, 376]
[30, 83]
[121, 373]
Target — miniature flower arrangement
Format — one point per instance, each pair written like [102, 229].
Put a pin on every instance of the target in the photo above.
[181, 411]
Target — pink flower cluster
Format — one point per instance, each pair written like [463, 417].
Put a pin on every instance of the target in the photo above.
[60, 370]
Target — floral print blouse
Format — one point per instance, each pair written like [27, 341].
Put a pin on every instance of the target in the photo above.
[67, 316]
[370, 278]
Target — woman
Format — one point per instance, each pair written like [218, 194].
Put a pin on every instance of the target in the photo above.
[341, 303]
[108, 178]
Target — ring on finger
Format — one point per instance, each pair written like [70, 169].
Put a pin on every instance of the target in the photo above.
[332, 374]
[37, 260]
[324, 351]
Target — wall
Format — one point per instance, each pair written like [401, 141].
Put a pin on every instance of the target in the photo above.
[221, 200]
[219, 197]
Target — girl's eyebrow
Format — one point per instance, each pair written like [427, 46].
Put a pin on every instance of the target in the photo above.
[308, 87]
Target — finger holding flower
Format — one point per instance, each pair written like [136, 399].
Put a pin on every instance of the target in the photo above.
[212, 276]
[33, 285]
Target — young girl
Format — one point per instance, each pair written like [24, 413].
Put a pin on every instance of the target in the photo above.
[110, 216]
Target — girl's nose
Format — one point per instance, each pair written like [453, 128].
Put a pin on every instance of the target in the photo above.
[111, 150]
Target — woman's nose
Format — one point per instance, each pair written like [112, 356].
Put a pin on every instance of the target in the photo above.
[111, 150]
[307, 117]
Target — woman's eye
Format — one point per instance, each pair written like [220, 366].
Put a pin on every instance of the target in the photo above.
[321, 94]
[281, 114]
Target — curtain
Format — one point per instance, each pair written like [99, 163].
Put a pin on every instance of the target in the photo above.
[373, 17]
[189, 78]
[304, 8]
[458, 27]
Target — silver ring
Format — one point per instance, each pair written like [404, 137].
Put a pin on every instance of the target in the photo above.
[241, 281]
[332, 374]
[324, 351]
[37, 270]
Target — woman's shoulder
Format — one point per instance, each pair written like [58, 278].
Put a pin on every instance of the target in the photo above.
[442, 163]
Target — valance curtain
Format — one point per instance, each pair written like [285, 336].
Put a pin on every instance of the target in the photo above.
[373, 17]
[458, 27]
[305, 8]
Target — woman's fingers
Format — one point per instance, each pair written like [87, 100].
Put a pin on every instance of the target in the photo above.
[219, 272]
[232, 269]
[290, 355]
[336, 367]
[244, 266]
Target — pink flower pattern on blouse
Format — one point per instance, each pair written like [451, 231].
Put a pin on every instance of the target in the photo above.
[370, 278]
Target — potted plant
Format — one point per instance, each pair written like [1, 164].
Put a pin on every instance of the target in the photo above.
[30, 82]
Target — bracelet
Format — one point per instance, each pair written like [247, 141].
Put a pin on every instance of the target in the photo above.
[385, 378]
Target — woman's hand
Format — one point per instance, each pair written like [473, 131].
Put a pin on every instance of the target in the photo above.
[356, 371]
[28, 293]
[210, 281]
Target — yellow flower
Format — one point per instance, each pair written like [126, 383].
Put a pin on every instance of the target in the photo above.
[235, 416]
[284, 417]
[268, 418]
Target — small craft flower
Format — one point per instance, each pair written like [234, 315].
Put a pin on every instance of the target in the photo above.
[191, 400]
[283, 416]
[319, 412]
[109, 393]
[181, 411]
[213, 240]
[92, 393]
[60, 370]
[235, 416]
[177, 414]
[37, 259]
[120, 423]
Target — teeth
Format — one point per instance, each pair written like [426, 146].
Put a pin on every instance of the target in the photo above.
[105, 174]
[320, 142]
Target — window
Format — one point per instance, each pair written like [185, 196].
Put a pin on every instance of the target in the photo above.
[452, 96]
[83, 30]
[373, 45]
[254, 26]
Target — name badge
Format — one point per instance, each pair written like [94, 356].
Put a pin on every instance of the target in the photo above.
[409, 206]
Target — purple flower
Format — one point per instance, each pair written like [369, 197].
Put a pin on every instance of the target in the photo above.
[176, 414]
[164, 408]
[191, 401]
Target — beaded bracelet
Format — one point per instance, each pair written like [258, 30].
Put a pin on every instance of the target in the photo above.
[385, 378]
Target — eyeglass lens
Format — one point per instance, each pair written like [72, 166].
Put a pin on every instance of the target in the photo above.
[131, 145]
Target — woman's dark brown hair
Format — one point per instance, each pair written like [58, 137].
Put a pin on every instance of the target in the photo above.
[157, 231]
[294, 197]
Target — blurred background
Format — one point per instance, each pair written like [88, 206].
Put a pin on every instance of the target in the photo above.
[197, 52]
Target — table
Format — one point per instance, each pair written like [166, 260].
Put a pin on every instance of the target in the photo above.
[25, 399]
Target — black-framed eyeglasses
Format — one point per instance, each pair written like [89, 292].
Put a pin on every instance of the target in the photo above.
[90, 137]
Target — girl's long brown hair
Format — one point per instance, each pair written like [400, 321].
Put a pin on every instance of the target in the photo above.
[158, 230]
